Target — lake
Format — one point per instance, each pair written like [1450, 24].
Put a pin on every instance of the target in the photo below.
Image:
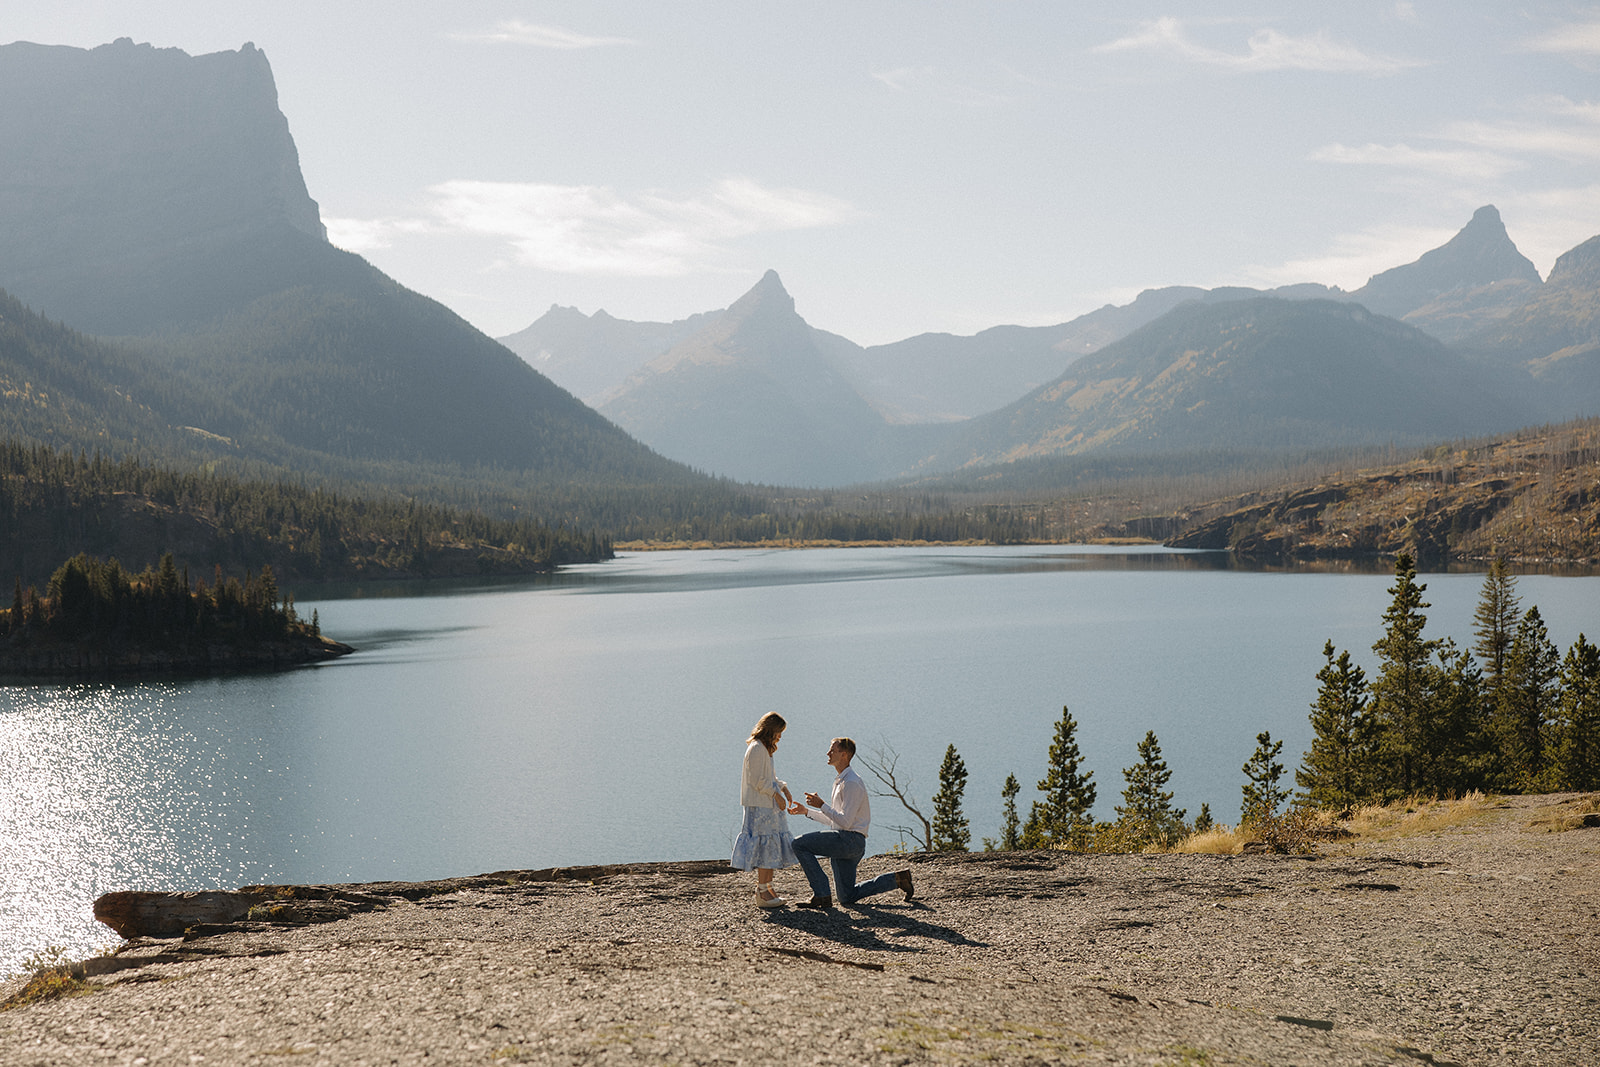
[600, 714]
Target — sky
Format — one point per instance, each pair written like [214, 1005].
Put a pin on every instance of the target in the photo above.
[906, 166]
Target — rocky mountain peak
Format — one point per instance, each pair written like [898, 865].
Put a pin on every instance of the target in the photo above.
[1481, 253]
[1580, 266]
[767, 298]
[141, 161]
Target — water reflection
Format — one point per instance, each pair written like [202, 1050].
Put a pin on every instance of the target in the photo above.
[496, 724]
[100, 784]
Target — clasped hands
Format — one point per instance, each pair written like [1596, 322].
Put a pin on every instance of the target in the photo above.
[796, 808]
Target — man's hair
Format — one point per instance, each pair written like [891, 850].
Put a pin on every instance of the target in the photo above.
[767, 730]
[846, 744]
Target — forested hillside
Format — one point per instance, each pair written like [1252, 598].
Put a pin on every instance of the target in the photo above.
[1532, 496]
[56, 505]
[156, 198]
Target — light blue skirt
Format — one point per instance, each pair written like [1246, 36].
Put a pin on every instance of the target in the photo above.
[764, 840]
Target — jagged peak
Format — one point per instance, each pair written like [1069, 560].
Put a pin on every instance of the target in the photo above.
[1578, 266]
[766, 296]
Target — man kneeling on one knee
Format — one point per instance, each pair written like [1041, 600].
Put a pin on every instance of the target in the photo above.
[849, 814]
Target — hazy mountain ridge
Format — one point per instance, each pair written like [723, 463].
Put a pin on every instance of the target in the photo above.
[250, 335]
[154, 164]
[1475, 281]
[1479, 255]
[157, 196]
[1257, 374]
[753, 396]
[1554, 336]
[591, 355]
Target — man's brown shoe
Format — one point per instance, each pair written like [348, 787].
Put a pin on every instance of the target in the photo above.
[903, 880]
[816, 902]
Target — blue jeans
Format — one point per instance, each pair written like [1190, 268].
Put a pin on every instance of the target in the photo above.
[844, 849]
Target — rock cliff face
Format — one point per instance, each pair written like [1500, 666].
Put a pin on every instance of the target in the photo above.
[148, 164]
[1481, 255]
[754, 396]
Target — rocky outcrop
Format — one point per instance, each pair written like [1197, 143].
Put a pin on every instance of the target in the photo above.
[755, 396]
[1527, 497]
[1480, 254]
[132, 173]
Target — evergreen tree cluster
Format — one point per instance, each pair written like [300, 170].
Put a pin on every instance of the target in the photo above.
[96, 602]
[1517, 717]
[1063, 816]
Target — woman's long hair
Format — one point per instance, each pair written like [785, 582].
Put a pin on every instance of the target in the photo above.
[768, 729]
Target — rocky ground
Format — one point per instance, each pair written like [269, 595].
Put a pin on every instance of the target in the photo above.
[1478, 943]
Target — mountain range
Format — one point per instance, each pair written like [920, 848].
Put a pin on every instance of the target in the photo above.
[172, 292]
[1466, 340]
[155, 199]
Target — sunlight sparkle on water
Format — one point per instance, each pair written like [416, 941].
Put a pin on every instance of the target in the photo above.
[84, 770]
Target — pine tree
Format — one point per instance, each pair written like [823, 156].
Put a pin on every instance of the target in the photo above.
[1402, 693]
[1034, 831]
[1262, 793]
[1336, 771]
[1461, 748]
[1203, 821]
[950, 833]
[1527, 703]
[1149, 814]
[1577, 736]
[1010, 830]
[1069, 792]
[1496, 622]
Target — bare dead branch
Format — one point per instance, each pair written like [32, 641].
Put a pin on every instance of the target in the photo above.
[881, 762]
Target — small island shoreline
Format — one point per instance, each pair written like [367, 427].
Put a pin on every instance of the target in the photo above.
[43, 660]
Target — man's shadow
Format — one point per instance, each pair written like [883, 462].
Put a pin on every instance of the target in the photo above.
[877, 929]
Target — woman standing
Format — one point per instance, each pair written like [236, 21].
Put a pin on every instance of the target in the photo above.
[764, 842]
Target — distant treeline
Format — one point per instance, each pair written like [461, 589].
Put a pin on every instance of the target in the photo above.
[55, 505]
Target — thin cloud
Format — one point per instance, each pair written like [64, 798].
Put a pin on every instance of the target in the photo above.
[1351, 258]
[586, 229]
[1458, 164]
[515, 31]
[1006, 86]
[366, 235]
[1475, 150]
[1550, 222]
[1530, 139]
[1580, 38]
[1266, 50]
[902, 79]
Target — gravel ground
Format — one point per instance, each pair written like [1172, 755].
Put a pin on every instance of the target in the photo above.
[1477, 944]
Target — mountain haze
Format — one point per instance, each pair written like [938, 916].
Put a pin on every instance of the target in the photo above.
[753, 396]
[1476, 276]
[1256, 374]
[157, 196]
[592, 355]
[1555, 336]
[157, 167]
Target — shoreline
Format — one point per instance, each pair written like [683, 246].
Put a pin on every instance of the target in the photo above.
[1469, 943]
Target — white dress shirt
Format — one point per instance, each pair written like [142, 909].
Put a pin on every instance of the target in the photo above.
[849, 809]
